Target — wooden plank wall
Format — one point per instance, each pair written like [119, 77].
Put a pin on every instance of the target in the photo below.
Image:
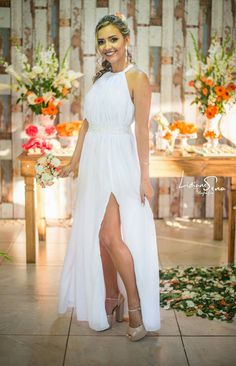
[160, 43]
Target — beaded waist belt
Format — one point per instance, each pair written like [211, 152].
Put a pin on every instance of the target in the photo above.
[109, 129]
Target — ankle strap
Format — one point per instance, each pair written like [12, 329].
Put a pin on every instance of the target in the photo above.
[130, 310]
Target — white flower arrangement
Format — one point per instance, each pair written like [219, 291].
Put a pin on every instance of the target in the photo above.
[47, 169]
[214, 76]
[45, 84]
[162, 121]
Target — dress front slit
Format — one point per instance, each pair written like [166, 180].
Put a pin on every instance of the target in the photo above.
[109, 165]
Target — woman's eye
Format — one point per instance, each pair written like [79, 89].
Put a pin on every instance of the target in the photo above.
[100, 42]
[114, 39]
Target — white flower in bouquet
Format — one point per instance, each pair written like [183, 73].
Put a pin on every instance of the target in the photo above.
[46, 177]
[72, 75]
[47, 96]
[57, 101]
[31, 98]
[37, 69]
[10, 70]
[56, 162]
[39, 169]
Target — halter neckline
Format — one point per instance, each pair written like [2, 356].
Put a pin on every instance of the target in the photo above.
[125, 69]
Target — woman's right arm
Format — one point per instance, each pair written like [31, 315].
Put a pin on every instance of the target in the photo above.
[74, 162]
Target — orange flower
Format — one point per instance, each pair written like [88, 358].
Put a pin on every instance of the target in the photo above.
[220, 90]
[38, 100]
[231, 87]
[51, 109]
[205, 91]
[211, 111]
[203, 79]
[210, 83]
[45, 111]
[167, 136]
[219, 99]
[210, 134]
[64, 91]
[226, 95]
[222, 302]
[191, 83]
[69, 128]
[183, 127]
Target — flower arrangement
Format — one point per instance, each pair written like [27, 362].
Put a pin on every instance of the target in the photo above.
[36, 145]
[184, 127]
[213, 80]
[44, 84]
[69, 128]
[47, 169]
[161, 121]
[41, 139]
[40, 131]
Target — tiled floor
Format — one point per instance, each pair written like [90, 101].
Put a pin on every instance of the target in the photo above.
[32, 333]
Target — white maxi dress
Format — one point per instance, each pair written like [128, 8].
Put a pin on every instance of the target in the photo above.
[109, 164]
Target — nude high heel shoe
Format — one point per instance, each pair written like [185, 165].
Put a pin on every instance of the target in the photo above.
[137, 333]
[118, 309]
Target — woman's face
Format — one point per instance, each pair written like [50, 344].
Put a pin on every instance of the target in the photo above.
[111, 44]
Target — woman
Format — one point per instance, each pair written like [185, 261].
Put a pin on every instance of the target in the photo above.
[112, 254]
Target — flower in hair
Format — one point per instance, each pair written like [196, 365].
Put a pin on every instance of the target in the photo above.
[121, 16]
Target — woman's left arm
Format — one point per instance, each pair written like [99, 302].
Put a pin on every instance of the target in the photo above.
[142, 102]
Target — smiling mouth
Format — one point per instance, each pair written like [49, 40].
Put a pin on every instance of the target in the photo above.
[110, 53]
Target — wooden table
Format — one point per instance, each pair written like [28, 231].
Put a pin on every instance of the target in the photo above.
[161, 165]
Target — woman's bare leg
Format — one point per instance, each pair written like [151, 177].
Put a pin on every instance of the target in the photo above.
[110, 278]
[110, 238]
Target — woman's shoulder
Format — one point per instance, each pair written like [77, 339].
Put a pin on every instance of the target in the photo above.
[138, 75]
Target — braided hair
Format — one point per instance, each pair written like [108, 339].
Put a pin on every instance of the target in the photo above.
[124, 30]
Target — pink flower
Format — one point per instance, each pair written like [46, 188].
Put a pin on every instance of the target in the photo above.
[35, 142]
[32, 130]
[50, 130]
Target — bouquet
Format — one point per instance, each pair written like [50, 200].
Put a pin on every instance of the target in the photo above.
[44, 84]
[214, 80]
[47, 169]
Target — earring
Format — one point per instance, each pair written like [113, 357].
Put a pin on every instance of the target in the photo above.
[126, 54]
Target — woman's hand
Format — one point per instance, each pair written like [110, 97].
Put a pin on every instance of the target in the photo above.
[146, 190]
[66, 171]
